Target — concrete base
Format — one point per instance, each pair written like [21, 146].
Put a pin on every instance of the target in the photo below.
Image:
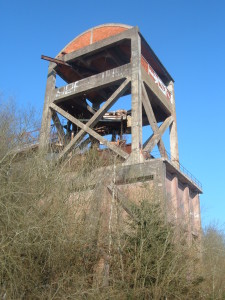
[160, 179]
[106, 198]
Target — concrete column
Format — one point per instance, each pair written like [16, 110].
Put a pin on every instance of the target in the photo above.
[196, 214]
[174, 197]
[173, 129]
[186, 202]
[46, 116]
[136, 103]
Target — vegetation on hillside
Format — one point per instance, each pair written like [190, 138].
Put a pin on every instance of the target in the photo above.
[57, 242]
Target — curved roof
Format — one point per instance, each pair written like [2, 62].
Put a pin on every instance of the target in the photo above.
[93, 35]
[105, 31]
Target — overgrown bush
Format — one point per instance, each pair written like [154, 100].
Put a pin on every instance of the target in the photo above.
[213, 263]
[62, 239]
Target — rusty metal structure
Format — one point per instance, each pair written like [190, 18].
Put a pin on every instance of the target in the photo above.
[99, 67]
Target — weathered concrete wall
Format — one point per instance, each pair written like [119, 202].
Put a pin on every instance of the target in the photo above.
[153, 181]
[183, 204]
[105, 199]
[143, 181]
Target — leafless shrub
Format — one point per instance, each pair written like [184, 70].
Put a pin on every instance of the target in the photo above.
[213, 263]
[53, 239]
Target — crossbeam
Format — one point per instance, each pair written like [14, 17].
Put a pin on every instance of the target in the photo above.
[55, 60]
[164, 102]
[155, 138]
[89, 131]
[152, 120]
[97, 116]
[92, 83]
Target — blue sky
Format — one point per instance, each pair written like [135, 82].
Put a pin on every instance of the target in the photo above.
[187, 36]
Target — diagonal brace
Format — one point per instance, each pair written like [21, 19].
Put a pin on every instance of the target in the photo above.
[97, 116]
[152, 120]
[122, 200]
[89, 131]
[155, 138]
[58, 126]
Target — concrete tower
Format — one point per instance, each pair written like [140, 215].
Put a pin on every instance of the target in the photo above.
[99, 67]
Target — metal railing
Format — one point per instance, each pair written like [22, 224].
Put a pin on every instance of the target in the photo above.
[177, 164]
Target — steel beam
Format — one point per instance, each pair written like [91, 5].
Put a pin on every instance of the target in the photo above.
[57, 61]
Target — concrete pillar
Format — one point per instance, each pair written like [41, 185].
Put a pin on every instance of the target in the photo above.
[46, 116]
[136, 102]
[196, 214]
[186, 202]
[95, 142]
[174, 197]
[173, 129]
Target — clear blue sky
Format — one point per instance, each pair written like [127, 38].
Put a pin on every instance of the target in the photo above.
[187, 36]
